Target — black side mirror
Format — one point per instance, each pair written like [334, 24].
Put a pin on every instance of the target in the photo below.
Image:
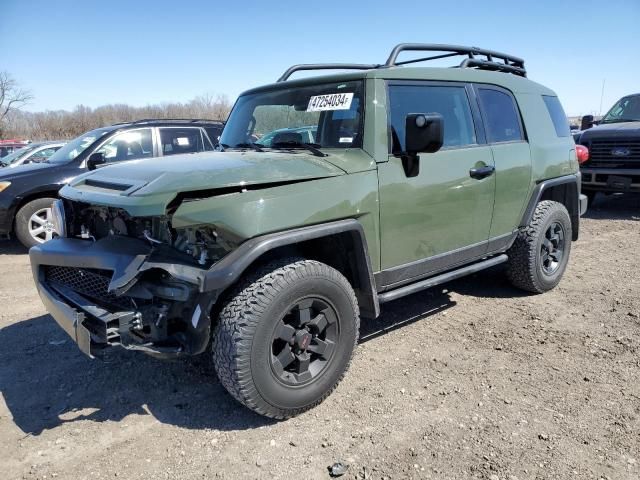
[424, 133]
[95, 159]
[586, 122]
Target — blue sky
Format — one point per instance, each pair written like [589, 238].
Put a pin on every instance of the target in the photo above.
[92, 53]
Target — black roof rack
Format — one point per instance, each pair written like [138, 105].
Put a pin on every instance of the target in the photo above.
[169, 120]
[325, 66]
[475, 58]
[492, 60]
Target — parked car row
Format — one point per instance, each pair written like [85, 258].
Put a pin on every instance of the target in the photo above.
[11, 145]
[611, 162]
[27, 191]
[32, 153]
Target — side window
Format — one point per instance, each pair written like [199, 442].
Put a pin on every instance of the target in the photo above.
[214, 134]
[501, 116]
[128, 145]
[451, 102]
[181, 140]
[208, 143]
[558, 117]
[44, 154]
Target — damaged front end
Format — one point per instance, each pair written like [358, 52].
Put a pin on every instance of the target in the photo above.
[132, 282]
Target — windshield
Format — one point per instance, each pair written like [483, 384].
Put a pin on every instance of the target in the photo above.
[75, 147]
[326, 116]
[626, 110]
[17, 154]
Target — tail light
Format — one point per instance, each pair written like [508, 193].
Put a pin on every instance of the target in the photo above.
[582, 153]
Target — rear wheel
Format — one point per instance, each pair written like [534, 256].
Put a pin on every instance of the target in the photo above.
[33, 223]
[285, 338]
[539, 256]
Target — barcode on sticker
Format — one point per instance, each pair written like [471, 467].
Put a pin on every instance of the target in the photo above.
[333, 101]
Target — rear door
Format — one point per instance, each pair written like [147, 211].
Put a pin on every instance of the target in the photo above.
[442, 216]
[512, 156]
[175, 140]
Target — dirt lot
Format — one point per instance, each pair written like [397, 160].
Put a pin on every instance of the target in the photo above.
[475, 380]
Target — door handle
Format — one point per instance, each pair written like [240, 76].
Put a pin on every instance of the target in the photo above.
[482, 172]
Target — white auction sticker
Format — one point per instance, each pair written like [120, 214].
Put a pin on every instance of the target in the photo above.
[333, 101]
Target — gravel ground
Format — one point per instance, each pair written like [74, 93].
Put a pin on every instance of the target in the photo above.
[473, 380]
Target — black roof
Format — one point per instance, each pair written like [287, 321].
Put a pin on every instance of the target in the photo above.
[177, 121]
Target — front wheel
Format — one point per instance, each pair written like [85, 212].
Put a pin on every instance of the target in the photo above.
[539, 256]
[285, 337]
[34, 222]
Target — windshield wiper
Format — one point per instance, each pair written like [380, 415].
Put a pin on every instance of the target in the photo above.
[621, 120]
[312, 147]
[255, 146]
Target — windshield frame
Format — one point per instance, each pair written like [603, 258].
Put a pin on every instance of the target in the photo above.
[606, 119]
[61, 157]
[320, 84]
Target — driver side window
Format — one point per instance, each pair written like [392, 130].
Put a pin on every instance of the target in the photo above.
[128, 145]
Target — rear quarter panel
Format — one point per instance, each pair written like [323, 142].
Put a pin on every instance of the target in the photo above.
[551, 156]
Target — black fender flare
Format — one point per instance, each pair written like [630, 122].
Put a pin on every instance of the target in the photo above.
[573, 205]
[227, 271]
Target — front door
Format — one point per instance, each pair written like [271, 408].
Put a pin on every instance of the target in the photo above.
[441, 216]
[127, 145]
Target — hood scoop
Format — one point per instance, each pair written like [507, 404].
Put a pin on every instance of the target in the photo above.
[109, 185]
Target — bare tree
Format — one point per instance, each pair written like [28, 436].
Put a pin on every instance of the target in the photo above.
[64, 124]
[12, 97]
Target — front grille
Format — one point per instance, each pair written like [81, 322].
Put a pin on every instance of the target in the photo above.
[89, 282]
[622, 153]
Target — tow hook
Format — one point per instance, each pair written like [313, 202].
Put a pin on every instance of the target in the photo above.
[136, 321]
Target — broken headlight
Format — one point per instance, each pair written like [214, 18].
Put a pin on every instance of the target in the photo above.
[58, 218]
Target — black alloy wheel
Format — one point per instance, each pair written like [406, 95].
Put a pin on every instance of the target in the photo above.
[304, 341]
[552, 248]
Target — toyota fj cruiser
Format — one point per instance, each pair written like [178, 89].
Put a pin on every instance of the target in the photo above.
[269, 256]
[613, 163]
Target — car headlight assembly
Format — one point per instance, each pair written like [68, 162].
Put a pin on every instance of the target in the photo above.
[58, 218]
[4, 185]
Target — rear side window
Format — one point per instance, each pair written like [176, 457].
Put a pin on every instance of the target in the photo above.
[214, 134]
[181, 140]
[451, 102]
[501, 116]
[558, 117]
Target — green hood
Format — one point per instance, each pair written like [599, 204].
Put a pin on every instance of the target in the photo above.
[145, 187]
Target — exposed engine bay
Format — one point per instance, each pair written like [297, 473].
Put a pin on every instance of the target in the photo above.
[205, 244]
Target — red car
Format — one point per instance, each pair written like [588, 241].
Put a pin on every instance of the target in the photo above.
[8, 146]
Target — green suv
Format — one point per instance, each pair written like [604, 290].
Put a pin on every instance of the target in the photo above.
[268, 257]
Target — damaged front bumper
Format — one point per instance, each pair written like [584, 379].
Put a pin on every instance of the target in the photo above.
[123, 291]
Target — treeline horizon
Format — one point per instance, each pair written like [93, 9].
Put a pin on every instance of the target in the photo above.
[68, 124]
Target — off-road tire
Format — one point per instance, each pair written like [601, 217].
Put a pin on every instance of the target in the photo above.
[242, 336]
[21, 223]
[524, 268]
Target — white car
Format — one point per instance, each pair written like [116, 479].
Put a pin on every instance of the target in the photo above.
[31, 153]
